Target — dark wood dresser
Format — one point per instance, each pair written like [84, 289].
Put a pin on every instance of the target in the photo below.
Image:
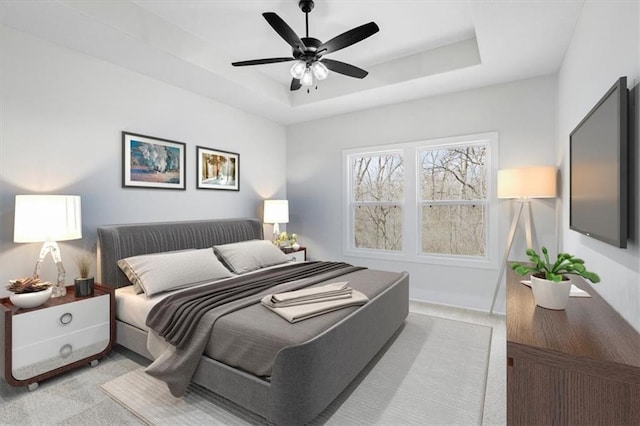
[580, 366]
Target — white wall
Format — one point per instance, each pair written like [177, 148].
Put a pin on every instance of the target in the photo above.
[62, 114]
[605, 46]
[522, 112]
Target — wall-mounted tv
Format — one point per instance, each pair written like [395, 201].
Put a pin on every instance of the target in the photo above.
[598, 171]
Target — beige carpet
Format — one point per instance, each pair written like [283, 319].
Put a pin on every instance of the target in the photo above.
[433, 373]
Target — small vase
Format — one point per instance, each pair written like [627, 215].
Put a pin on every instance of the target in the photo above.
[550, 294]
[83, 287]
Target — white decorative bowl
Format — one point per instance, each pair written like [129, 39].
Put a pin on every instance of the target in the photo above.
[30, 300]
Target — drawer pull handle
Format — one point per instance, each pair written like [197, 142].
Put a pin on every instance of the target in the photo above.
[66, 350]
[66, 318]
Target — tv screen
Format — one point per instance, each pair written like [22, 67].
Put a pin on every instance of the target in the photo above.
[598, 170]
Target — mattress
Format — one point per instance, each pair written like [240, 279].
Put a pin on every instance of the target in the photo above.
[255, 333]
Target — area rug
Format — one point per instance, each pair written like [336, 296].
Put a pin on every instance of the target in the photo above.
[432, 373]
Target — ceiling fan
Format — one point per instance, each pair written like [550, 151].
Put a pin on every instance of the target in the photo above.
[308, 52]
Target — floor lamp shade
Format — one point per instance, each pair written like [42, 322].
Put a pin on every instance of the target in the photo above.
[527, 182]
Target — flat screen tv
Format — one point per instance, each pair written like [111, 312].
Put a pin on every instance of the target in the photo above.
[598, 170]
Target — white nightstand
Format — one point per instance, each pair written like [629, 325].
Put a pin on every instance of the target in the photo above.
[63, 333]
[299, 255]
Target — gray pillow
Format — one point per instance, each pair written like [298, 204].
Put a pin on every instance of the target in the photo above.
[158, 272]
[247, 256]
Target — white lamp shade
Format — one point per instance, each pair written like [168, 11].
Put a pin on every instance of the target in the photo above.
[40, 218]
[276, 211]
[527, 182]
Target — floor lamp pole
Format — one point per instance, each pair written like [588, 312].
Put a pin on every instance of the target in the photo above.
[512, 233]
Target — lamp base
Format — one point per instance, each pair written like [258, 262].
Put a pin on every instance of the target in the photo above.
[59, 288]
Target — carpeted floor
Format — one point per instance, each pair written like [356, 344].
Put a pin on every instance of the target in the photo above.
[434, 372]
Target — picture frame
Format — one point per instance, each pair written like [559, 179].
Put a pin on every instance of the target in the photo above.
[217, 169]
[152, 162]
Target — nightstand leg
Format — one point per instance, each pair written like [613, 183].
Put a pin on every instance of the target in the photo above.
[32, 386]
[93, 363]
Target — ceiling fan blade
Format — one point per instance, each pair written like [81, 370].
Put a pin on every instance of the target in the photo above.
[348, 38]
[284, 30]
[261, 61]
[295, 84]
[343, 68]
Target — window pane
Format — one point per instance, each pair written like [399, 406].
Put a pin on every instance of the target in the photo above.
[456, 229]
[454, 173]
[378, 227]
[378, 178]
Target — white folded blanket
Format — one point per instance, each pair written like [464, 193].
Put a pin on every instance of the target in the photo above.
[332, 291]
[301, 310]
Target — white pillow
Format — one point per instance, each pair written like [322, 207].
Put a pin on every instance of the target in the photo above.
[247, 256]
[158, 272]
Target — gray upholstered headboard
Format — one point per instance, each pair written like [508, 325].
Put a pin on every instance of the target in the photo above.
[116, 242]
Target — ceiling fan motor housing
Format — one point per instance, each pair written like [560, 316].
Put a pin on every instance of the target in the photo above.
[309, 54]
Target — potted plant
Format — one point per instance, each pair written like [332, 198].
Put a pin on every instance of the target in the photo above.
[549, 281]
[29, 292]
[84, 283]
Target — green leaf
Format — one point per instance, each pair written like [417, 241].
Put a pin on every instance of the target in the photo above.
[522, 270]
[546, 255]
[579, 268]
[554, 277]
[593, 277]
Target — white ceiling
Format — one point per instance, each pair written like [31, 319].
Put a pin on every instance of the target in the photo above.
[424, 48]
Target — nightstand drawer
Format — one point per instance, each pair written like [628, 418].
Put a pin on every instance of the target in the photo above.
[45, 324]
[29, 361]
[297, 256]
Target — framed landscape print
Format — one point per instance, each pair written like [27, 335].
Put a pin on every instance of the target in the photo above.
[217, 169]
[150, 162]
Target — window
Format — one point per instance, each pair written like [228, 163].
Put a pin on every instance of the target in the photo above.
[377, 194]
[425, 201]
[453, 186]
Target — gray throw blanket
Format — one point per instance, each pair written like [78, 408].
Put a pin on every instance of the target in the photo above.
[187, 318]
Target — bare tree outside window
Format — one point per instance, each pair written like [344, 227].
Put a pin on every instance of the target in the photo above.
[453, 183]
[377, 196]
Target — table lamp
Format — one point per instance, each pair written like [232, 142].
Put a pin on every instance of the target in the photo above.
[276, 212]
[47, 219]
[523, 184]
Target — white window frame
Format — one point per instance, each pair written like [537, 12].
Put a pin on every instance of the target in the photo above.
[412, 203]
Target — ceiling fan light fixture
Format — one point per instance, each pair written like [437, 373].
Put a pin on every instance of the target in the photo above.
[307, 52]
[320, 70]
[307, 78]
[297, 69]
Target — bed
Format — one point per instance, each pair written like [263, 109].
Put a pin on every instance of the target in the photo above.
[307, 373]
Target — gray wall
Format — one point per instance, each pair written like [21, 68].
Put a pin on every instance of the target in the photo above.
[62, 117]
[523, 113]
[605, 46]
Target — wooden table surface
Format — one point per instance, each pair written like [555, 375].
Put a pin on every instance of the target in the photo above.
[589, 328]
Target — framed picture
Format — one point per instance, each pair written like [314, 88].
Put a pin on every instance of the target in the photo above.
[149, 162]
[217, 169]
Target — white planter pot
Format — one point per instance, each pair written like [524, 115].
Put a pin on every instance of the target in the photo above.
[550, 294]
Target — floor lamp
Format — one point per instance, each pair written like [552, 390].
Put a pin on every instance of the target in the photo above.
[523, 184]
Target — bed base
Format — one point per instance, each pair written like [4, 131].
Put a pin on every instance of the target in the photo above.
[306, 378]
